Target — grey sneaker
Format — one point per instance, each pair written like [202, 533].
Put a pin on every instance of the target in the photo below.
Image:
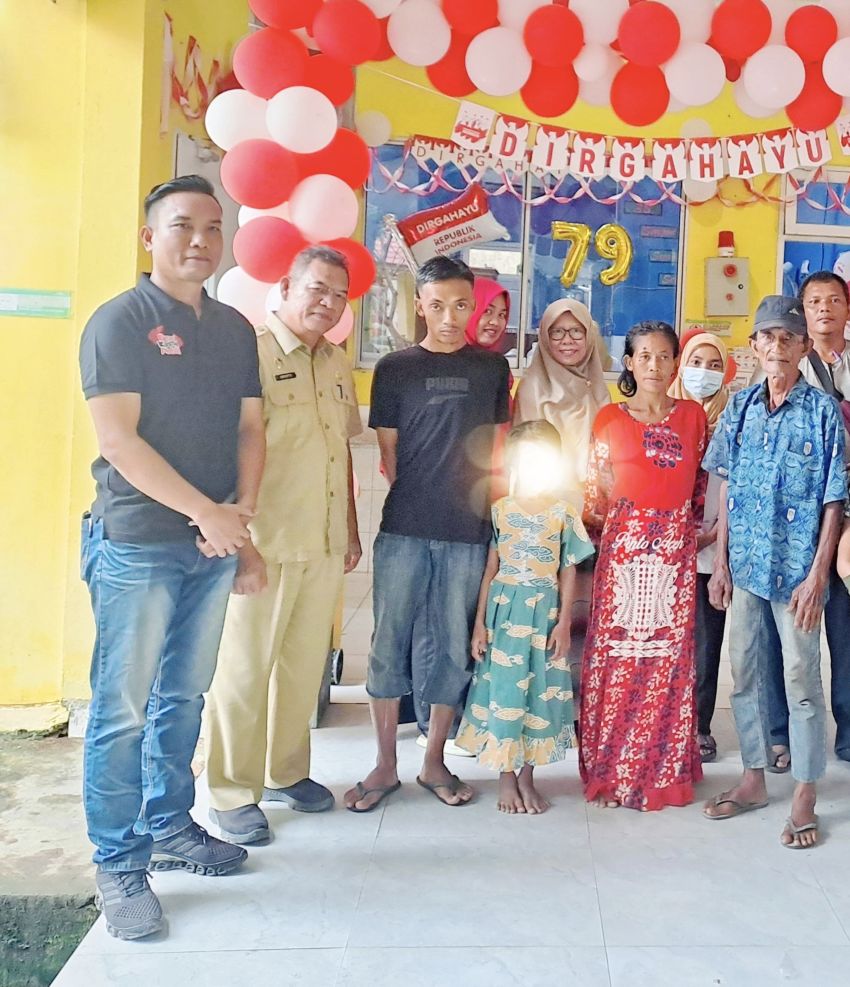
[194, 850]
[304, 796]
[247, 824]
[129, 906]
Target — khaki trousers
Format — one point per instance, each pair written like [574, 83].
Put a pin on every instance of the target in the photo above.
[270, 664]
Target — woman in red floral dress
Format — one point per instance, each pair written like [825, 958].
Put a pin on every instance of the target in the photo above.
[643, 503]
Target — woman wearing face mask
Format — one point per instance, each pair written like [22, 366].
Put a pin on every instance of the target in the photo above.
[702, 372]
[565, 385]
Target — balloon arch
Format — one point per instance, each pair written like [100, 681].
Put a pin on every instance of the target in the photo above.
[295, 171]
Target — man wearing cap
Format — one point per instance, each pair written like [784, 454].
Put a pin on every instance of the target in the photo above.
[779, 450]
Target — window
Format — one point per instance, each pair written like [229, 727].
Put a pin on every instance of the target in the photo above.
[529, 262]
[815, 239]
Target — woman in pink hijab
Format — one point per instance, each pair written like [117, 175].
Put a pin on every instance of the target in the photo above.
[489, 319]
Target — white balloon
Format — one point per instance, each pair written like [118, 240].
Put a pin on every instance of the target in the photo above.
[323, 207]
[598, 92]
[695, 74]
[600, 18]
[514, 13]
[694, 18]
[382, 8]
[234, 116]
[774, 76]
[840, 10]
[247, 213]
[374, 127]
[695, 191]
[498, 62]
[273, 298]
[244, 293]
[747, 105]
[595, 61]
[419, 33]
[836, 67]
[301, 119]
[696, 127]
[780, 11]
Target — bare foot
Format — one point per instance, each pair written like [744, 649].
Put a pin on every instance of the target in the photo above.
[532, 799]
[510, 800]
[603, 803]
[378, 777]
[802, 814]
[438, 774]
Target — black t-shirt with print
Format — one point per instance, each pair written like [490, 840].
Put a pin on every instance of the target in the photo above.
[444, 406]
[191, 374]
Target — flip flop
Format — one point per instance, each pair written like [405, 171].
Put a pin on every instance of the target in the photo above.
[773, 767]
[739, 807]
[793, 830]
[707, 748]
[451, 787]
[363, 792]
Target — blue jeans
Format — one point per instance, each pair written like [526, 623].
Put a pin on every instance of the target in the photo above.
[410, 575]
[158, 611]
[753, 623]
[421, 659]
[836, 619]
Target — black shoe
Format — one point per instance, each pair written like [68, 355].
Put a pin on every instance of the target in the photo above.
[304, 796]
[194, 850]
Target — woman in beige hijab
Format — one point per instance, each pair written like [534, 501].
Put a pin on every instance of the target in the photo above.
[565, 385]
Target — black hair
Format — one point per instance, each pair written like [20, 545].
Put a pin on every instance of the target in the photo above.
[327, 255]
[626, 383]
[442, 269]
[537, 431]
[824, 277]
[184, 183]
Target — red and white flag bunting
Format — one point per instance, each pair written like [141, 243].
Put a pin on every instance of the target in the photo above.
[482, 138]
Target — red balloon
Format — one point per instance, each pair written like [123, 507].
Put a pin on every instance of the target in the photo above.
[361, 265]
[739, 28]
[449, 75]
[332, 78]
[471, 18]
[817, 106]
[649, 33]
[266, 246]
[384, 50]
[347, 157]
[733, 69]
[270, 60]
[347, 30]
[285, 14]
[811, 31]
[549, 92]
[259, 173]
[553, 36]
[639, 94]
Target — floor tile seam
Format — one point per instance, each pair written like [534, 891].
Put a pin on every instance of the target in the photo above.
[596, 889]
[825, 893]
[203, 949]
[367, 870]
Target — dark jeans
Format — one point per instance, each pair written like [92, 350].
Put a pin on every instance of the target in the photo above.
[709, 639]
[421, 658]
[836, 616]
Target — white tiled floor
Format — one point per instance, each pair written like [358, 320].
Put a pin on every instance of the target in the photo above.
[417, 894]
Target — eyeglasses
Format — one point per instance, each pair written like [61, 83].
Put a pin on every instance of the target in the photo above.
[557, 333]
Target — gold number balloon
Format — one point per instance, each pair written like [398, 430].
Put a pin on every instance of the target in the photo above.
[614, 243]
[579, 236]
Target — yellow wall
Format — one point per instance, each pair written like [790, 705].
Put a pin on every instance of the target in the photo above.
[79, 148]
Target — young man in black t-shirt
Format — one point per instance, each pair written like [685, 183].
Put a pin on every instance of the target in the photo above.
[434, 407]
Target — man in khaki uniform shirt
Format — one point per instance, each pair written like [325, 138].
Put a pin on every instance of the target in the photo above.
[275, 642]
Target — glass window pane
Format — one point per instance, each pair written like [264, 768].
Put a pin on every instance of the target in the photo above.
[818, 193]
[804, 257]
[388, 320]
[649, 290]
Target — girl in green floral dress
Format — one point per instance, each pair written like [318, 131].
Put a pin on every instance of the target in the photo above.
[519, 713]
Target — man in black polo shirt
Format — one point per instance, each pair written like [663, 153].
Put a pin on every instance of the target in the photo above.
[172, 383]
[434, 407]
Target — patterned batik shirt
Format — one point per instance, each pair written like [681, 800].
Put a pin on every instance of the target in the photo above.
[782, 466]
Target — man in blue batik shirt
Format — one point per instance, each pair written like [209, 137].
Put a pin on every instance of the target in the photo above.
[779, 448]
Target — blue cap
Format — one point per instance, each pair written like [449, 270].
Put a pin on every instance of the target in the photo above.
[780, 312]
